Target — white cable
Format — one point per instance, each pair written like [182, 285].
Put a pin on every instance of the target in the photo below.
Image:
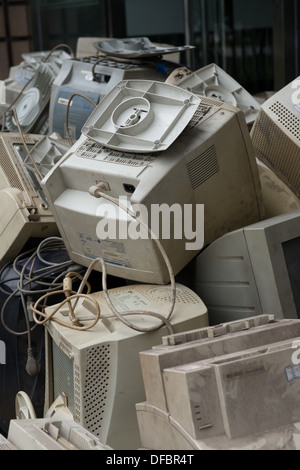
[164, 320]
[96, 191]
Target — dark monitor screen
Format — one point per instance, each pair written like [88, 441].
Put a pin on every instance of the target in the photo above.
[291, 249]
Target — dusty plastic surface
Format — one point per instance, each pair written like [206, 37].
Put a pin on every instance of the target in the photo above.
[213, 82]
[136, 48]
[276, 137]
[5, 444]
[46, 434]
[100, 368]
[24, 407]
[141, 116]
[227, 389]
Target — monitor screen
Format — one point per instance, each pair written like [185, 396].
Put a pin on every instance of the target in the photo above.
[251, 271]
[291, 250]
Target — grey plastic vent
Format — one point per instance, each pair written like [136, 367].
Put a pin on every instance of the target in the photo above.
[203, 167]
[164, 295]
[96, 393]
[287, 119]
[272, 146]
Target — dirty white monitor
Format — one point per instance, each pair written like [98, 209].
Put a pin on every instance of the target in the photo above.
[276, 136]
[251, 271]
[98, 371]
[278, 197]
[24, 210]
[213, 82]
[223, 387]
[166, 154]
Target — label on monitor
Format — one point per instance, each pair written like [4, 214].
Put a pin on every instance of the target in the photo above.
[111, 251]
[128, 300]
[94, 151]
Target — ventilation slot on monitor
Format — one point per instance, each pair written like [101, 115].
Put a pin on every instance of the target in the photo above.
[9, 169]
[164, 296]
[287, 119]
[203, 167]
[273, 147]
[211, 101]
[202, 110]
[96, 392]
[62, 376]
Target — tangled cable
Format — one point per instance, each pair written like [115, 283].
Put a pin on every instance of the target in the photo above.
[74, 296]
[35, 275]
[70, 296]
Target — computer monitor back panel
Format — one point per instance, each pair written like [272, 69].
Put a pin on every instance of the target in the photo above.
[277, 196]
[211, 164]
[276, 137]
[254, 270]
[99, 370]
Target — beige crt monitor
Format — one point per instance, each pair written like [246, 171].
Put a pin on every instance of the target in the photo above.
[98, 371]
[276, 135]
[213, 82]
[24, 211]
[254, 270]
[278, 197]
[156, 146]
[232, 386]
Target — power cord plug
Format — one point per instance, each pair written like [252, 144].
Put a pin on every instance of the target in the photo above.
[33, 367]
